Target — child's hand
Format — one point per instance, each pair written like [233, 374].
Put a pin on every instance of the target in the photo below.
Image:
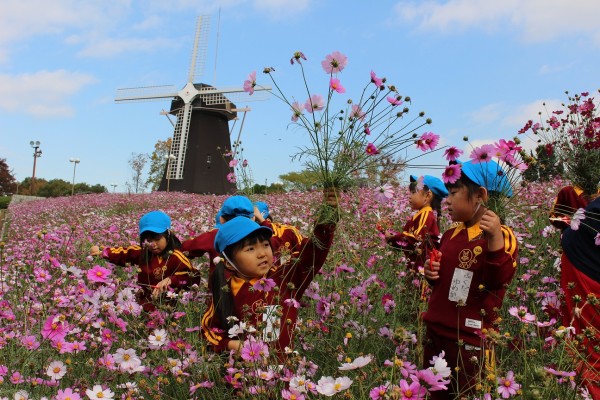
[331, 196]
[161, 287]
[490, 225]
[432, 267]
[95, 251]
[258, 217]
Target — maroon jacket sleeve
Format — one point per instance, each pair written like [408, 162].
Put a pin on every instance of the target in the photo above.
[179, 269]
[122, 255]
[200, 245]
[501, 264]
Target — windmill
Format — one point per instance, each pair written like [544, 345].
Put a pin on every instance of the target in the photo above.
[201, 133]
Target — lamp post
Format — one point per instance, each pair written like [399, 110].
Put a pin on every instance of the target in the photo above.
[170, 159]
[75, 161]
[114, 186]
[36, 153]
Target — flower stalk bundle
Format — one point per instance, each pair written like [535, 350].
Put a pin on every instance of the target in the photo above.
[349, 137]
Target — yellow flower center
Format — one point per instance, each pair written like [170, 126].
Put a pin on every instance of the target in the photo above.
[56, 370]
[408, 393]
[507, 383]
[126, 357]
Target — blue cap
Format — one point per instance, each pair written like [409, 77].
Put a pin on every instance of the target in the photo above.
[237, 205]
[488, 174]
[434, 184]
[218, 219]
[155, 221]
[235, 230]
[263, 208]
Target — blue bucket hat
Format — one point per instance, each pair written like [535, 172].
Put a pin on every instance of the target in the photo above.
[235, 230]
[155, 221]
[434, 184]
[218, 219]
[263, 208]
[237, 205]
[488, 174]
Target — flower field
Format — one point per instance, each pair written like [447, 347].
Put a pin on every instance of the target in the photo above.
[68, 333]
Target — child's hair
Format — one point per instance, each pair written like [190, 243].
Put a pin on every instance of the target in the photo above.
[220, 287]
[436, 201]
[173, 243]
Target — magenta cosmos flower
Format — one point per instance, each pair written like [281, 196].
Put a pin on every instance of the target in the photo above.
[507, 387]
[451, 174]
[394, 101]
[334, 62]
[98, 274]
[334, 84]
[414, 391]
[264, 284]
[250, 83]
[452, 153]
[483, 153]
[372, 149]
[375, 80]
[254, 351]
[428, 141]
[384, 193]
[522, 313]
[314, 103]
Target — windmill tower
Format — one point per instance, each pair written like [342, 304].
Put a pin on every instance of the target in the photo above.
[201, 134]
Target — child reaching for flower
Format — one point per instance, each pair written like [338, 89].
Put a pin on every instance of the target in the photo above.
[255, 301]
[478, 260]
[421, 233]
[161, 264]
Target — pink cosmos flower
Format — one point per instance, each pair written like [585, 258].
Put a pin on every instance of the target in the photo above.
[428, 141]
[420, 183]
[372, 149]
[384, 193]
[394, 100]
[375, 80]
[30, 342]
[367, 129]
[314, 103]
[254, 351]
[378, 392]
[298, 55]
[451, 174]
[334, 62]
[334, 84]
[297, 109]
[67, 394]
[264, 284]
[482, 154]
[597, 239]
[55, 328]
[292, 394]
[357, 113]
[577, 218]
[452, 153]
[231, 177]
[522, 314]
[233, 163]
[245, 163]
[414, 391]
[98, 274]
[250, 83]
[507, 387]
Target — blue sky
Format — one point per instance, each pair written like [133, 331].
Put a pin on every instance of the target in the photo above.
[478, 68]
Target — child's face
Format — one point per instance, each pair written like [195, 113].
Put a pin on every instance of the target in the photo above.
[461, 206]
[419, 199]
[156, 244]
[254, 260]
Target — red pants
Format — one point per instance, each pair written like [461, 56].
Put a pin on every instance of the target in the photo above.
[574, 282]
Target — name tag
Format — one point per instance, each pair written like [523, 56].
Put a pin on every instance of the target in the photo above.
[472, 323]
[271, 319]
[459, 287]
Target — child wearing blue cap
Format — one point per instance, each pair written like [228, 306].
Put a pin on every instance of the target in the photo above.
[254, 298]
[421, 233]
[286, 238]
[161, 264]
[476, 265]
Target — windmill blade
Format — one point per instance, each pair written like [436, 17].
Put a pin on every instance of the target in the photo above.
[213, 96]
[147, 93]
[180, 138]
[199, 49]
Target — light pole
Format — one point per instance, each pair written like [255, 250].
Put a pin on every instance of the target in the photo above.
[170, 159]
[36, 153]
[114, 186]
[75, 161]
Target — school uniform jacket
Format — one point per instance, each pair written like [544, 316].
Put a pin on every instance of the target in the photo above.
[421, 227]
[273, 312]
[466, 249]
[568, 200]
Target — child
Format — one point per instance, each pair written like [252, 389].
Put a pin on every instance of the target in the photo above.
[421, 233]
[161, 264]
[580, 277]
[285, 239]
[477, 262]
[239, 284]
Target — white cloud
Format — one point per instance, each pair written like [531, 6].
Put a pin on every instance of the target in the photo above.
[279, 9]
[42, 94]
[486, 114]
[523, 113]
[108, 47]
[535, 20]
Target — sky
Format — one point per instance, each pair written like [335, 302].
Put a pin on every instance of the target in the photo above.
[478, 68]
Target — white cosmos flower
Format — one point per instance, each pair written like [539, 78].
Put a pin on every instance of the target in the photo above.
[358, 362]
[158, 338]
[97, 393]
[56, 370]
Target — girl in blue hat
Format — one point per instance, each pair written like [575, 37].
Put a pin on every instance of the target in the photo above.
[421, 233]
[161, 264]
[469, 281]
[254, 299]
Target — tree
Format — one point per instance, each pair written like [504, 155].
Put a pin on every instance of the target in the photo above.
[302, 181]
[137, 162]
[53, 188]
[8, 183]
[544, 167]
[158, 163]
[25, 186]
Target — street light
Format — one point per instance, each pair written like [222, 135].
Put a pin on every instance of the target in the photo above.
[170, 159]
[36, 153]
[75, 161]
[114, 186]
